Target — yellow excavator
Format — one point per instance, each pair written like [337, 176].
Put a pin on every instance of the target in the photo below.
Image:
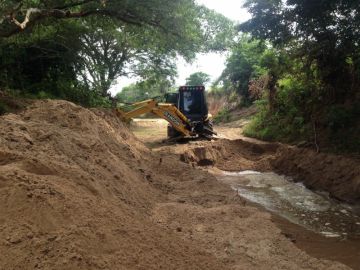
[186, 111]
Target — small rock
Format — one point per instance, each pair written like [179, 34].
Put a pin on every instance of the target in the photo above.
[52, 238]
[15, 240]
[76, 257]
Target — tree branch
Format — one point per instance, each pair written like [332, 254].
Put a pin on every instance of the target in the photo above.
[63, 14]
[29, 12]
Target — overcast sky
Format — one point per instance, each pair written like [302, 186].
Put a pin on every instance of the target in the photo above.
[212, 64]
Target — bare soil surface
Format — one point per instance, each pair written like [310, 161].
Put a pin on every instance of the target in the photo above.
[234, 152]
[79, 191]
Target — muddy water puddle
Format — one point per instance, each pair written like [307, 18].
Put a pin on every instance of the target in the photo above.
[294, 202]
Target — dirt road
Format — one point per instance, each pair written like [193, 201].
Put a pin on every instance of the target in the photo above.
[79, 191]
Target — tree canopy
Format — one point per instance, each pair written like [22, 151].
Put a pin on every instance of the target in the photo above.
[198, 78]
[322, 33]
[19, 15]
[83, 47]
[313, 69]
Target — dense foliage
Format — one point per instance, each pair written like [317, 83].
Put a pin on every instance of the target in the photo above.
[76, 50]
[298, 60]
[198, 78]
[303, 63]
[154, 87]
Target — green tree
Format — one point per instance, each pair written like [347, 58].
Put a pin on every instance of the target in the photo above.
[323, 34]
[153, 87]
[16, 16]
[318, 87]
[198, 78]
[87, 45]
[243, 65]
[42, 62]
[109, 52]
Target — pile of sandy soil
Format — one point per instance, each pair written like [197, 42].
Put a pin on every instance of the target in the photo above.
[78, 191]
[74, 194]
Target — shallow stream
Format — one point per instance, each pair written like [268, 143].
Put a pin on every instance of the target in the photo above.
[294, 202]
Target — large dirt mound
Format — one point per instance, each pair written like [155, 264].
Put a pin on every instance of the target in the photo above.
[74, 194]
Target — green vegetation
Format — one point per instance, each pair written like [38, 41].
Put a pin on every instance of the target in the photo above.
[299, 61]
[301, 66]
[198, 78]
[223, 116]
[242, 66]
[76, 50]
[151, 88]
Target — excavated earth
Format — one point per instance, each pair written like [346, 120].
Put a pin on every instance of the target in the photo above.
[79, 191]
[338, 175]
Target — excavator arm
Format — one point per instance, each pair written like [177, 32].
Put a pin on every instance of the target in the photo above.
[167, 111]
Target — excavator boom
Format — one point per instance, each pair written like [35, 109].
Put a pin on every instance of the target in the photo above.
[167, 111]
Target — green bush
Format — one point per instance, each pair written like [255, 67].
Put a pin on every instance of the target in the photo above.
[222, 117]
[260, 127]
[288, 121]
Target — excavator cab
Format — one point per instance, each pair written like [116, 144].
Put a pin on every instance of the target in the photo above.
[191, 101]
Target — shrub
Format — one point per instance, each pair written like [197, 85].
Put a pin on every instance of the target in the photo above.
[223, 116]
[287, 120]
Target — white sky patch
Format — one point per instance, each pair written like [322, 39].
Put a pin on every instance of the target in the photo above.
[211, 63]
[230, 8]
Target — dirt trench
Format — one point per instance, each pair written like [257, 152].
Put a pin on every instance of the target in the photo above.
[337, 175]
[316, 171]
[79, 191]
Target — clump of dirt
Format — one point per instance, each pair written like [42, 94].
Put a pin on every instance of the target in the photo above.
[231, 155]
[79, 191]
